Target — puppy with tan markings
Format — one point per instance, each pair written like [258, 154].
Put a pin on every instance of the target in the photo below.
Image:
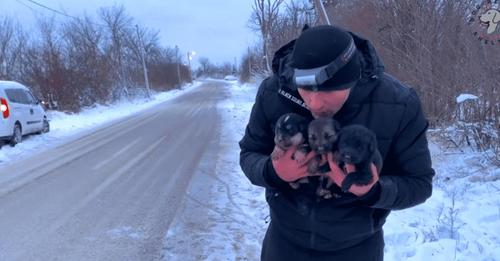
[357, 145]
[291, 130]
[322, 133]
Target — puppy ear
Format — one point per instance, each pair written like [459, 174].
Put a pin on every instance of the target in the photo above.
[496, 17]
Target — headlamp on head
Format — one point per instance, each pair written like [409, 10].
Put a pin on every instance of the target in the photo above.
[311, 78]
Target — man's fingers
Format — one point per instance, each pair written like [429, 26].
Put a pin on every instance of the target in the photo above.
[374, 169]
[375, 173]
[307, 158]
[304, 172]
[349, 168]
[336, 174]
[332, 162]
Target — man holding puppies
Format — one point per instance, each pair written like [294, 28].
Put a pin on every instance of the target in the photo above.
[329, 72]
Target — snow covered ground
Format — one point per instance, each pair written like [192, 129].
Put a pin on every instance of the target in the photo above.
[461, 221]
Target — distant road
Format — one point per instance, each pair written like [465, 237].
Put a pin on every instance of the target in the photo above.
[112, 194]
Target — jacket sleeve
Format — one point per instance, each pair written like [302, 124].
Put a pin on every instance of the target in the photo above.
[257, 145]
[410, 182]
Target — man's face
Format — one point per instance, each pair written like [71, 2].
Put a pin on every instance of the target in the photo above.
[324, 103]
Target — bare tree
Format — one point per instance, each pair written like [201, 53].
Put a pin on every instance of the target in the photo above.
[12, 44]
[290, 23]
[90, 69]
[264, 16]
[118, 25]
[205, 64]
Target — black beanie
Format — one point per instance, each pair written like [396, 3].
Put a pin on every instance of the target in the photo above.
[320, 45]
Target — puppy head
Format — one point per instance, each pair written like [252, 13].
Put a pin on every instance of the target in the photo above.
[356, 144]
[290, 130]
[322, 134]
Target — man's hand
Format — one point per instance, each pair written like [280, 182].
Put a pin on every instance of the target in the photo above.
[338, 175]
[289, 169]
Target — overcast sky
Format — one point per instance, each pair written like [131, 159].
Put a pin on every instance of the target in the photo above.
[216, 29]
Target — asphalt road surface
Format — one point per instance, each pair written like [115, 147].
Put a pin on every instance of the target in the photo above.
[111, 194]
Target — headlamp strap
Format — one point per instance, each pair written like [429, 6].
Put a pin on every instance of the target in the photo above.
[331, 69]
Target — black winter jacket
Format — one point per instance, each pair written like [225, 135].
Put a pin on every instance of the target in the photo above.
[378, 102]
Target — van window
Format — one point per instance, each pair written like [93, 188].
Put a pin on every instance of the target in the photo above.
[17, 96]
[23, 96]
[12, 95]
[30, 97]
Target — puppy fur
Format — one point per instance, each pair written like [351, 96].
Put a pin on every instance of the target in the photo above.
[322, 134]
[357, 145]
[291, 130]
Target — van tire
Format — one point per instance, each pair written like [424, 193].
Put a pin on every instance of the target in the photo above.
[17, 135]
[46, 126]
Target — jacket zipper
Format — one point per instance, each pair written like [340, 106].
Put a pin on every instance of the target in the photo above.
[312, 239]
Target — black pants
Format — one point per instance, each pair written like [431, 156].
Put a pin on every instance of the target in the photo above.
[275, 248]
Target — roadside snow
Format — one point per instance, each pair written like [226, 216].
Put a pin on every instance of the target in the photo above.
[463, 97]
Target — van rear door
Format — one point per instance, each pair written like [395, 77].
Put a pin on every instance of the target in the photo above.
[20, 108]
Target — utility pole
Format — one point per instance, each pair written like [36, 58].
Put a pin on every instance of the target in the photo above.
[320, 10]
[178, 64]
[141, 46]
[249, 64]
[189, 67]
[235, 68]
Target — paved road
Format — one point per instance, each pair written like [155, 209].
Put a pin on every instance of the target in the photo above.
[112, 194]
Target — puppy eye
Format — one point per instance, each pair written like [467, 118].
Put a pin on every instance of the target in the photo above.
[288, 127]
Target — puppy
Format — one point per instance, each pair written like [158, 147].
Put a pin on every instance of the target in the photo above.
[357, 145]
[322, 134]
[291, 130]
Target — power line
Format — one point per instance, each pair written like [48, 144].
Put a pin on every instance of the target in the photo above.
[51, 9]
[55, 11]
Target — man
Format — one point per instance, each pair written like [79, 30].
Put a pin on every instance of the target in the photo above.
[329, 72]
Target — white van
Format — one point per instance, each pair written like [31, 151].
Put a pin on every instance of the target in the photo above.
[20, 113]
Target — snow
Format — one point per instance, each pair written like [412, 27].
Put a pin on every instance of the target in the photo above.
[465, 96]
[461, 221]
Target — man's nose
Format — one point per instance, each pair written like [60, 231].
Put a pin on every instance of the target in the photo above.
[315, 102]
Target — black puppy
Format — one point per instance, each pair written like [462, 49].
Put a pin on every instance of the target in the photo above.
[322, 136]
[357, 145]
[291, 130]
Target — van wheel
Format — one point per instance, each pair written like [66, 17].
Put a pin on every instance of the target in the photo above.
[46, 126]
[17, 136]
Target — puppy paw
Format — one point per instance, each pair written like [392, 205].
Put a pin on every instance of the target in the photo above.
[303, 181]
[299, 157]
[294, 185]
